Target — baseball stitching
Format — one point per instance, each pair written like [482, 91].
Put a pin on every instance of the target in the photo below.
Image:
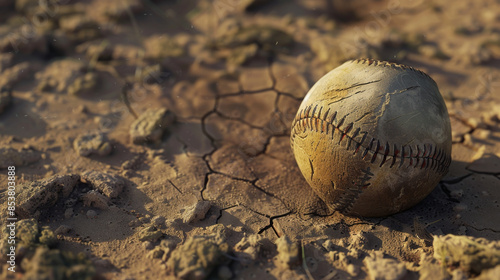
[424, 157]
[312, 118]
[392, 65]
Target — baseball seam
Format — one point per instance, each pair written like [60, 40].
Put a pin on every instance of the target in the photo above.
[312, 119]
[392, 65]
[420, 155]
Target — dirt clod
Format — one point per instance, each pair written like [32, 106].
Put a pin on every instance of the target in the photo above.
[196, 258]
[150, 126]
[288, 252]
[149, 233]
[110, 185]
[57, 265]
[43, 193]
[196, 212]
[92, 143]
[20, 157]
[472, 255]
[384, 268]
[66, 76]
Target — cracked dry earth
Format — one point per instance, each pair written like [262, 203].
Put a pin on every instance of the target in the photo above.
[209, 188]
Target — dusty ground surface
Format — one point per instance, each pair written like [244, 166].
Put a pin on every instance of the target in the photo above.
[209, 187]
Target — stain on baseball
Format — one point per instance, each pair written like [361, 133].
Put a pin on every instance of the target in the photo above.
[372, 138]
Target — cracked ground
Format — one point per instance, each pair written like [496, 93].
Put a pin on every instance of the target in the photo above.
[233, 73]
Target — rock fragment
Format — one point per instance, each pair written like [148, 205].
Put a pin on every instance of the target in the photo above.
[92, 143]
[196, 258]
[43, 193]
[384, 268]
[196, 212]
[110, 185]
[151, 125]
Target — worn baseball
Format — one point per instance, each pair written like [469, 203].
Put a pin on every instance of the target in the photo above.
[372, 138]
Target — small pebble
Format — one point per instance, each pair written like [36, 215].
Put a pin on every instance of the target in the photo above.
[91, 214]
[151, 125]
[196, 212]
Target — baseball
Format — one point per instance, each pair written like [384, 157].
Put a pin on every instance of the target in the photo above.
[372, 138]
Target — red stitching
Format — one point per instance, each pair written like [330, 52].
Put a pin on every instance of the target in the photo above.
[439, 161]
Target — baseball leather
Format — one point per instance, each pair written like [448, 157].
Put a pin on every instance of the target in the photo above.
[372, 138]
